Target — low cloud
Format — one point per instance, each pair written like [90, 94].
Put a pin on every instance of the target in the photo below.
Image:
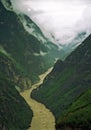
[61, 19]
[40, 54]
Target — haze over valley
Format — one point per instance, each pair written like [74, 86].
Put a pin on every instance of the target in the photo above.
[45, 65]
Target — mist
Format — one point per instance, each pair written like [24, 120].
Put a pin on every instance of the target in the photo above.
[61, 20]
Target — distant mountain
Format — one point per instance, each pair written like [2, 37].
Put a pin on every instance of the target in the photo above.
[75, 43]
[66, 86]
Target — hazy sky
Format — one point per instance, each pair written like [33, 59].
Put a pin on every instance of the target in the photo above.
[63, 19]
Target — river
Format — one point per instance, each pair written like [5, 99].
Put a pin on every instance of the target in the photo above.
[43, 119]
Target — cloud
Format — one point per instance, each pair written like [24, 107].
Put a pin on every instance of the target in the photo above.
[62, 19]
[40, 54]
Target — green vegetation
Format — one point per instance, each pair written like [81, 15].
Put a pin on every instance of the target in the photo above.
[19, 44]
[62, 88]
[12, 70]
[15, 114]
[7, 57]
[79, 114]
[22, 46]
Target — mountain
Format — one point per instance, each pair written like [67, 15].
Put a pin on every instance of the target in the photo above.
[23, 57]
[74, 43]
[27, 49]
[79, 113]
[67, 86]
[16, 42]
[25, 53]
[13, 71]
[12, 107]
[21, 38]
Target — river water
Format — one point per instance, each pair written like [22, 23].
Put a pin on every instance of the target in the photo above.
[43, 119]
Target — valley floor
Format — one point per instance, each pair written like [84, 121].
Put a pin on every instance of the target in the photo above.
[43, 118]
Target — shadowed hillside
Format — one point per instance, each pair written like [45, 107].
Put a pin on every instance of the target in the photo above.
[12, 107]
[79, 114]
[26, 49]
[67, 82]
[23, 57]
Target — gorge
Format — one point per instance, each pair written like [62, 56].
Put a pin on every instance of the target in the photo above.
[45, 70]
[43, 119]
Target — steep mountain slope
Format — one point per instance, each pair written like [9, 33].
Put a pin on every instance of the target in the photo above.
[13, 71]
[15, 114]
[28, 50]
[22, 57]
[15, 40]
[67, 81]
[79, 114]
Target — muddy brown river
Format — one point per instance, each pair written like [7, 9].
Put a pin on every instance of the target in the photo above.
[43, 119]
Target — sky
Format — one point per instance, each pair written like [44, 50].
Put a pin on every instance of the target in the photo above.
[61, 19]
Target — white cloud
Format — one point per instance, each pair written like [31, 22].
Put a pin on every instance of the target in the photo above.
[40, 54]
[63, 19]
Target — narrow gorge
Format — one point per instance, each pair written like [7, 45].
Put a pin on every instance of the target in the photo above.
[45, 65]
[43, 119]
